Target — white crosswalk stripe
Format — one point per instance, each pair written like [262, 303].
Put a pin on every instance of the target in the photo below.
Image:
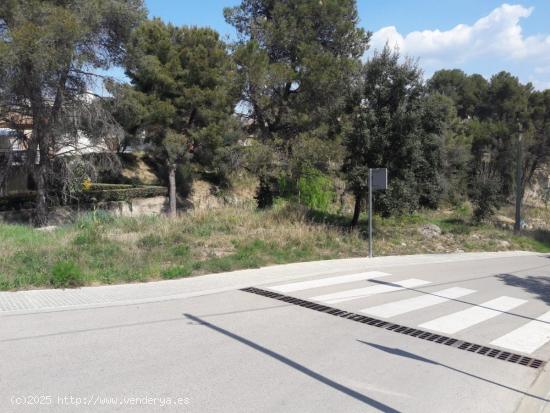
[325, 282]
[357, 293]
[416, 303]
[528, 337]
[461, 320]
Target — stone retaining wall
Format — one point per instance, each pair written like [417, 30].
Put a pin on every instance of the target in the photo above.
[61, 215]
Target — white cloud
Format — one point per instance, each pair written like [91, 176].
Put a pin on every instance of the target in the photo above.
[496, 36]
[542, 70]
[540, 84]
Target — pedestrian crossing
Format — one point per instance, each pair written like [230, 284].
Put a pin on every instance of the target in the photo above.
[416, 303]
[325, 282]
[357, 293]
[356, 290]
[527, 338]
[453, 323]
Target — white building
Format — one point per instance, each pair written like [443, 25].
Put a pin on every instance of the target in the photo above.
[13, 149]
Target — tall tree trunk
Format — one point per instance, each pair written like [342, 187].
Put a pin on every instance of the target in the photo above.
[517, 220]
[40, 218]
[172, 186]
[41, 169]
[357, 209]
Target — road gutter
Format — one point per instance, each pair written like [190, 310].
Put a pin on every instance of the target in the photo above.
[540, 387]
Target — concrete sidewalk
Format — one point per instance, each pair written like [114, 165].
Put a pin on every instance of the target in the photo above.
[112, 295]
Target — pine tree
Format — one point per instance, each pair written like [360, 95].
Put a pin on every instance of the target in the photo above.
[296, 59]
[184, 89]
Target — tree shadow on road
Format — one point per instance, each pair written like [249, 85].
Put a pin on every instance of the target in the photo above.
[403, 353]
[291, 363]
[539, 286]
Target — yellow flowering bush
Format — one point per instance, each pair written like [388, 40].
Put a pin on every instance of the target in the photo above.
[87, 184]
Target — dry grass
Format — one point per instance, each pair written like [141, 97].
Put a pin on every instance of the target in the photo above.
[102, 249]
[109, 250]
[536, 218]
[139, 171]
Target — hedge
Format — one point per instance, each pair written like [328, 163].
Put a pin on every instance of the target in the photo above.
[122, 194]
[96, 193]
[108, 187]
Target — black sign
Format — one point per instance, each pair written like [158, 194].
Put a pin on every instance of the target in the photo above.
[379, 178]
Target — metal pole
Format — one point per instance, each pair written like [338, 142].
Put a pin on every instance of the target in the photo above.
[370, 213]
[519, 183]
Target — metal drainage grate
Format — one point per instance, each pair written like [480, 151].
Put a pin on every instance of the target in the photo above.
[397, 328]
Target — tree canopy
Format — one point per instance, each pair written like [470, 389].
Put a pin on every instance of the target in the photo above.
[292, 100]
[49, 52]
[394, 124]
[503, 122]
[296, 59]
[183, 91]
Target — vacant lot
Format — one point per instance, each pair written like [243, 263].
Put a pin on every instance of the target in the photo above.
[100, 248]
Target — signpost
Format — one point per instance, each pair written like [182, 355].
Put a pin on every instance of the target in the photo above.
[378, 180]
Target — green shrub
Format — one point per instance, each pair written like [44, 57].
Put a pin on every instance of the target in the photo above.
[285, 186]
[485, 193]
[66, 274]
[316, 190]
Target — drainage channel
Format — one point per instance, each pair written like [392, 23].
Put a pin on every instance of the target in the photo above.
[397, 328]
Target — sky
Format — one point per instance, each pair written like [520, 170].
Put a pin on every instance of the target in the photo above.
[477, 36]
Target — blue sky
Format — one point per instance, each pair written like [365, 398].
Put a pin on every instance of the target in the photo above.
[478, 36]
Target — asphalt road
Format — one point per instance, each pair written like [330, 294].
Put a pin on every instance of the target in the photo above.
[228, 350]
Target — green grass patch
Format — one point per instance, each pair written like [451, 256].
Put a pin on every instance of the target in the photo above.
[102, 249]
[531, 244]
[177, 272]
[456, 226]
[151, 241]
[66, 274]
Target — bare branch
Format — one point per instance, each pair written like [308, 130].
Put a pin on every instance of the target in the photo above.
[84, 73]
